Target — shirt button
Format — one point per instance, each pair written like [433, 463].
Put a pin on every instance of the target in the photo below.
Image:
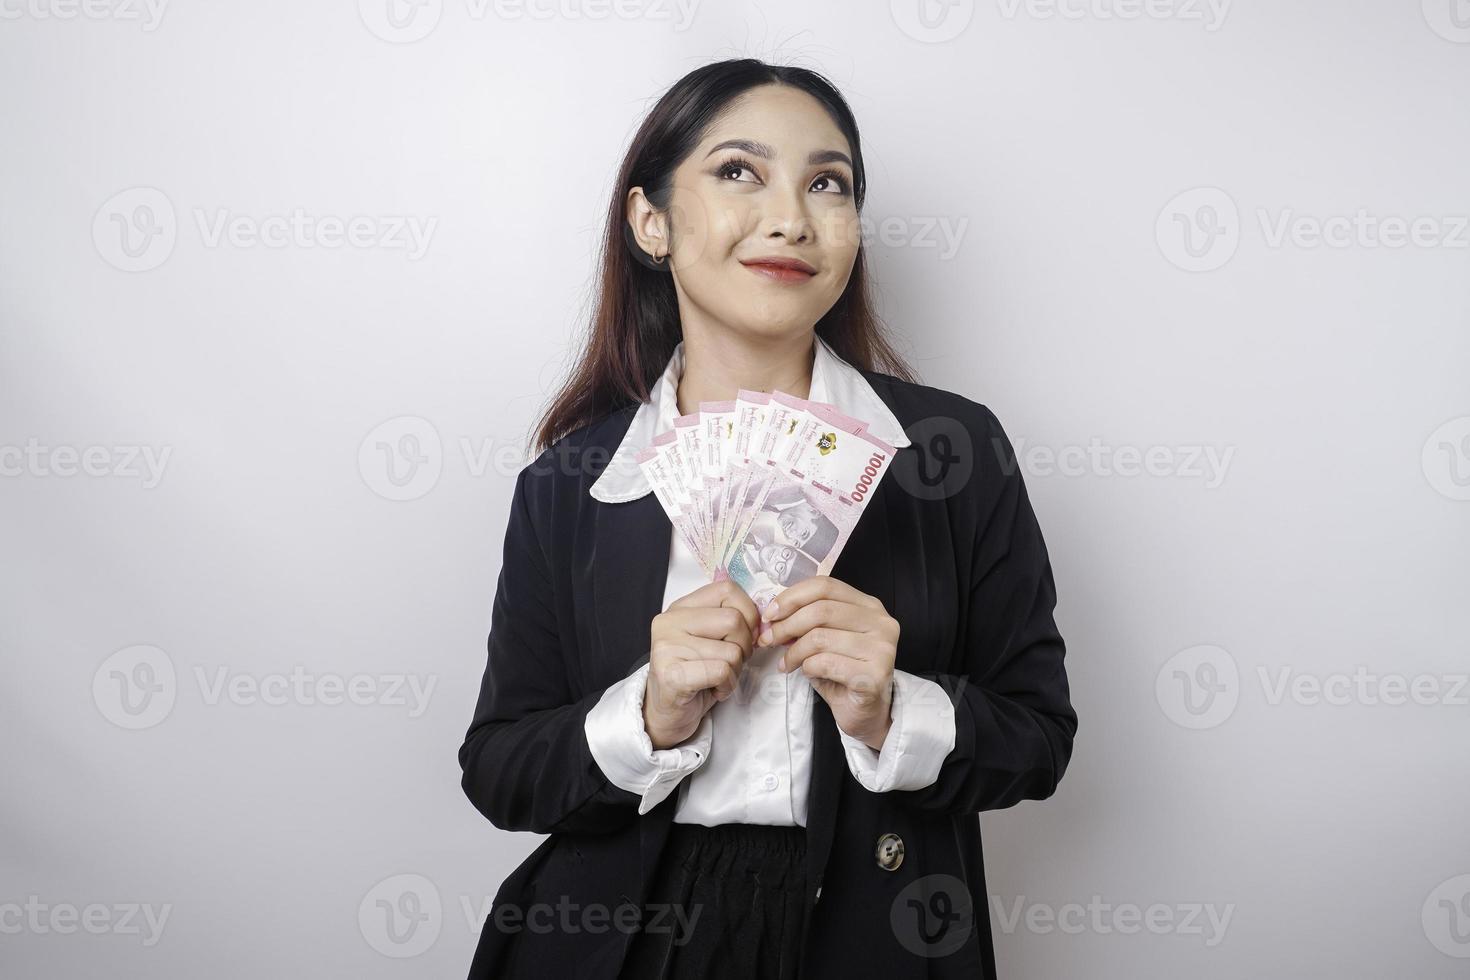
[769, 781]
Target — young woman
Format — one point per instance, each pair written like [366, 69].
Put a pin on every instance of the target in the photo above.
[730, 792]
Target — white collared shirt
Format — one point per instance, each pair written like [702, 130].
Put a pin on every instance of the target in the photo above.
[749, 761]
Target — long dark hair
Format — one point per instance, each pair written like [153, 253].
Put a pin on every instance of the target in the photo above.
[636, 323]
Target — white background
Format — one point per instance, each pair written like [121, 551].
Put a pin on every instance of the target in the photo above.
[1037, 169]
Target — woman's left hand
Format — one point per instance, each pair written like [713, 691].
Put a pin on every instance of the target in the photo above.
[845, 642]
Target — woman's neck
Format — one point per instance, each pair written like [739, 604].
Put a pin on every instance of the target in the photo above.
[718, 366]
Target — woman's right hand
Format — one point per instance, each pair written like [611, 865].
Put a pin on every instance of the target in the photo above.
[698, 646]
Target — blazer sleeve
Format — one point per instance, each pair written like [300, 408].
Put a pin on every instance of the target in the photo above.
[525, 758]
[1014, 721]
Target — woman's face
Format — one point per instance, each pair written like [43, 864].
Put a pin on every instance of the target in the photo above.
[771, 177]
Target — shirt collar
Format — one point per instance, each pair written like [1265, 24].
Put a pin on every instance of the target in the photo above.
[833, 381]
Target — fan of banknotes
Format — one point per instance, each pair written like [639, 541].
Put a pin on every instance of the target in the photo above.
[765, 489]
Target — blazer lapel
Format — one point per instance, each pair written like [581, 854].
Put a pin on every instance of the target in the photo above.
[630, 569]
[865, 564]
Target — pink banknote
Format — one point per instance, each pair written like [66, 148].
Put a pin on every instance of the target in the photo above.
[767, 488]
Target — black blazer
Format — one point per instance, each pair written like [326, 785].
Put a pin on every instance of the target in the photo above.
[948, 542]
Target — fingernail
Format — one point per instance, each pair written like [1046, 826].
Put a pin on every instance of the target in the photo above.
[783, 663]
[771, 610]
[766, 636]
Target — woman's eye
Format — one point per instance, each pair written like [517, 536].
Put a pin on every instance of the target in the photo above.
[830, 182]
[736, 167]
[836, 182]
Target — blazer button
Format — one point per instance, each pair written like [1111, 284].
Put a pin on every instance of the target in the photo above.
[889, 852]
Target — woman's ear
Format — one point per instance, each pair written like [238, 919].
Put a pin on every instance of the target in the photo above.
[647, 223]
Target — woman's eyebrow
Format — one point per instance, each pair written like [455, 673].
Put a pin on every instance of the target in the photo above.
[759, 149]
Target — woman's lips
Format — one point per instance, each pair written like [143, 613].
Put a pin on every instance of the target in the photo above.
[778, 273]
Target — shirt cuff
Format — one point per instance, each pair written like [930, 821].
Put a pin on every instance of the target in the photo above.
[921, 736]
[623, 751]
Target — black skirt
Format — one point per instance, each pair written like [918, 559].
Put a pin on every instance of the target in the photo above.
[726, 901]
